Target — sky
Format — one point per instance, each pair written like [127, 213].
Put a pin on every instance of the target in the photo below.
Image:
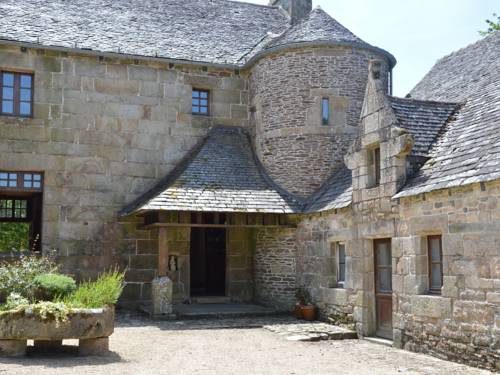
[416, 32]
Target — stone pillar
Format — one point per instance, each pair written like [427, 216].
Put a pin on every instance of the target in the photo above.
[98, 346]
[161, 290]
[13, 348]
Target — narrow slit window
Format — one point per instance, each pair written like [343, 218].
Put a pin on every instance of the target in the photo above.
[16, 94]
[341, 264]
[435, 264]
[376, 166]
[200, 102]
[325, 111]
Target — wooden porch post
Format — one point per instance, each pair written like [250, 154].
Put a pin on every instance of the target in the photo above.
[162, 252]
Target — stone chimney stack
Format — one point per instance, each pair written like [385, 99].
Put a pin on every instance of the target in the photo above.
[297, 9]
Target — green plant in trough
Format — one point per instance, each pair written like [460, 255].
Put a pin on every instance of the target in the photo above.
[103, 292]
[18, 276]
[51, 285]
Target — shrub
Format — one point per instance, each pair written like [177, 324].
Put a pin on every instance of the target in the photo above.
[14, 301]
[18, 276]
[51, 285]
[105, 291]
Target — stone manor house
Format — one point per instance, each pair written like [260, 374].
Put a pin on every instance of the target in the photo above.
[246, 150]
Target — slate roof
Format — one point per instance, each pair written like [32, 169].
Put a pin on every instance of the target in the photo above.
[319, 27]
[222, 174]
[468, 151]
[335, 193]
[423, 119]
[206, 31]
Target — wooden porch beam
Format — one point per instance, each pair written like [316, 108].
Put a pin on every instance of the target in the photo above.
[177, 225]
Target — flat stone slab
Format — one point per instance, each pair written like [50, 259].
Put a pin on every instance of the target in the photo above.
[311, 331]
[81, 324]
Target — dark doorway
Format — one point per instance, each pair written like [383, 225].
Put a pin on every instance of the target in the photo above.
[383, 287]
[208, 262]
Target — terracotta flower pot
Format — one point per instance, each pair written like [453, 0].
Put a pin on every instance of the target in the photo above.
[308, 312]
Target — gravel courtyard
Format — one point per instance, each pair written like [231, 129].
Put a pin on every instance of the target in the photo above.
[140, 346]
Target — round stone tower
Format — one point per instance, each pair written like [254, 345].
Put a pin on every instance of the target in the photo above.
[307, 89]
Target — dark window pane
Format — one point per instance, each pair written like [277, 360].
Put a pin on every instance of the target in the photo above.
[7, 106]
[25, 108]
[8, 93]
[25, 81]
[384, 255]
[8, 79]
[435, 249]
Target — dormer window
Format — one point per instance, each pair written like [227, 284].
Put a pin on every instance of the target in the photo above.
[200, 102]
[325, 111]
[16, 94]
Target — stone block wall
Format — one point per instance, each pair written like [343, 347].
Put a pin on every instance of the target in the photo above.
[105, 131]
[286, 90]
[461, 324]
[275, 267]
[240, 264]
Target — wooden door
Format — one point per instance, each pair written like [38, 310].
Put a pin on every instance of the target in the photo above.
[208, 262]
[383, 287]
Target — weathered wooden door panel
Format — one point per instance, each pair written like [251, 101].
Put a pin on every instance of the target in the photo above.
[383, 287]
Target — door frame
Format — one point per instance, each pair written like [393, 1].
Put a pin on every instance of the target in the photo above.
[377, 241]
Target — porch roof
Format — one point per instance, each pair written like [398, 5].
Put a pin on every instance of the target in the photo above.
[222, 174]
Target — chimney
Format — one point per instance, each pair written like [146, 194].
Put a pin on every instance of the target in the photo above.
[296, 9]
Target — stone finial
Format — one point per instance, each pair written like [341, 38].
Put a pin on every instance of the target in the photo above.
[296, 9]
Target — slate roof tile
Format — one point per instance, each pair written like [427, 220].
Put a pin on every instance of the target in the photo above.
[206, 31]
[423, 119]
[222, 174]
[468, 151]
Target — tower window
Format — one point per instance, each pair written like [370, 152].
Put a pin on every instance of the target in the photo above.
[200, 102]
[375, 167]
[340, 264]
[325, 111]
[435, 263]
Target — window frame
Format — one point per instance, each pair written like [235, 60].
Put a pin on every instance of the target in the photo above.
[325, 121]
[20, 180]
[430, 263]
[28, 209]
[17, 93]
[200, 91]
[340, 283]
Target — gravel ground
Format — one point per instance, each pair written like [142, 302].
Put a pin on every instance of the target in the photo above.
[140, 346]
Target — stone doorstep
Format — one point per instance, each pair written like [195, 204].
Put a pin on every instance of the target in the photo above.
[314, 331]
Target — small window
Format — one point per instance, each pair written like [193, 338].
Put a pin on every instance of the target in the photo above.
[340, 264]
[200, 102]
[16, 94]
[325, 111]
[31, 181]
[15, 209]
[376, 166]
[435, 264]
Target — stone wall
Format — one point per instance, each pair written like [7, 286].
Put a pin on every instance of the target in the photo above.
[286, 91]
[240, 264]
[463, 323]
[105, 131]
[275, 267]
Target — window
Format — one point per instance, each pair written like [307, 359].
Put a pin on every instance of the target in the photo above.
[435, 264]
[200, 102]
[340, 264]
[14, 209]
[21, 197]
[16, 94]
[376, 166]
[325, 111]
[30, 181]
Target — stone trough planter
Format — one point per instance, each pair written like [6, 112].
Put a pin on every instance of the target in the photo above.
[92, 327]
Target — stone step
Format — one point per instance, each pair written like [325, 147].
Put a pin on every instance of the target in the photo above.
[210, 300]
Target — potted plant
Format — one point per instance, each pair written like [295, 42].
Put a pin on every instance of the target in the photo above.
[304, 309]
